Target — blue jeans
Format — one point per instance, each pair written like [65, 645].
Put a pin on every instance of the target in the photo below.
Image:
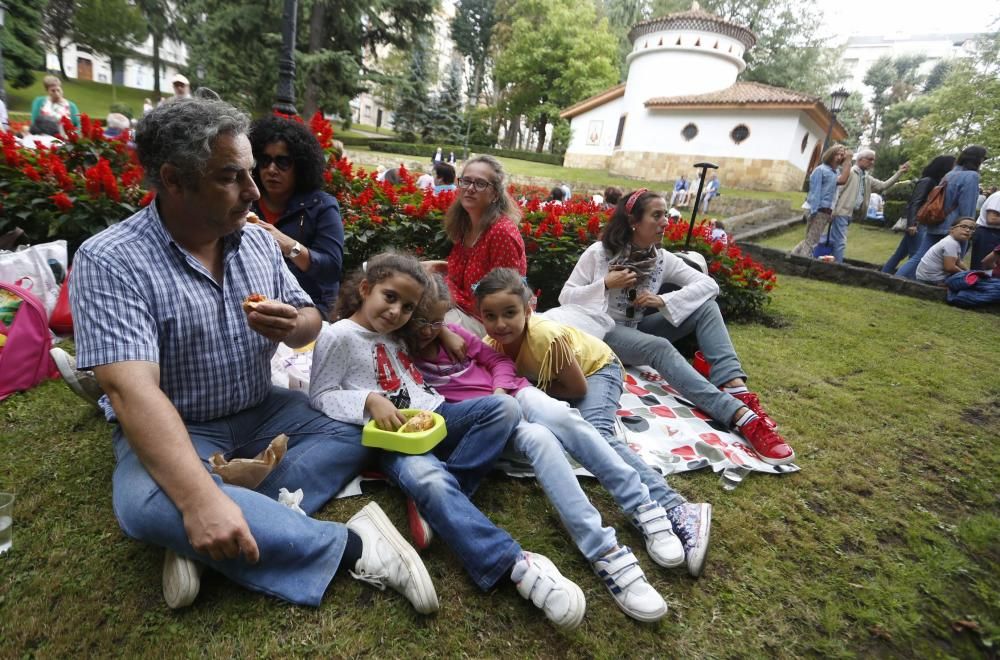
[905, 250]
[441, 482]
[909, 269]
[983, 241]
[584, 443]
[298, 554]
[599, 407]
[838, 237]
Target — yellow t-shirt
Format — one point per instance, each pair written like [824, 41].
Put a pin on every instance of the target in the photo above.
[548, 346]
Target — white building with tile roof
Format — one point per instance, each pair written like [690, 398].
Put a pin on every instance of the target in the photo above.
[681, 104]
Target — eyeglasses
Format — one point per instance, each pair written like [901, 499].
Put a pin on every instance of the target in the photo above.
[479, 184]
[424, 323]
[284, 163]
[630, 296]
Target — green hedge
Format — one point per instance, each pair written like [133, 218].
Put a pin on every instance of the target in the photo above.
[427, 151]
[893, 210]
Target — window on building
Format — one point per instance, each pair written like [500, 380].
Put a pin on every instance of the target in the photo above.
[368, 110]
[740, 133]
[689, 132]
[805, 143]
[621, 130]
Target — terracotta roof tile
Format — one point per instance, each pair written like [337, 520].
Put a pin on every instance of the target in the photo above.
[694, 19]
[738, 93]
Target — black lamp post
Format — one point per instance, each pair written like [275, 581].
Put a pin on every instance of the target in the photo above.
[837, 101]
[284, 101]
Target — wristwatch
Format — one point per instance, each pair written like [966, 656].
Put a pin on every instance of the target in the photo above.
[295, 251]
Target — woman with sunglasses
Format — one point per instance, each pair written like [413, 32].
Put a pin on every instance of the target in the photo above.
[623, 275]
[482, 224]
[304, 220]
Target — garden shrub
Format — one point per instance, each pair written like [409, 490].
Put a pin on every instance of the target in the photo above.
[89, 183]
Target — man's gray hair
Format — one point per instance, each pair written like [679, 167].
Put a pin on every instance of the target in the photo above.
[864, 153]
[181, 132]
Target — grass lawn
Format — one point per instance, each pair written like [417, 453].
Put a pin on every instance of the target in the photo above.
[886, 544]
[92, 98]
[871, 244]
[578, 177]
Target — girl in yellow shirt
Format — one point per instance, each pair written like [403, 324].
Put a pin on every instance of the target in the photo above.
[571, 365]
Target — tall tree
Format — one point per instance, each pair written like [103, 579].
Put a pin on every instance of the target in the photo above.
[558, 54]
[22, 49]
[472, 32]
[57, 27]
[410, 118]
[446, 113]
[162, 22]
[892, 80]
[950, 125]
[622, 15]
[110, 27]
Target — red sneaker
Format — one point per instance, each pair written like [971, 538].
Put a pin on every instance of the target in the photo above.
[751, 401]
[420, 531]
[772, 447]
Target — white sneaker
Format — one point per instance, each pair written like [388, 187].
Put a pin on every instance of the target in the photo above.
[662, 544]
[83, 383]
[181, 580]
[627, 583]
[387, 560]
[539, 581]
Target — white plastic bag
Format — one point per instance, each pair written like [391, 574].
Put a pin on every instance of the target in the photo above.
[29, 269]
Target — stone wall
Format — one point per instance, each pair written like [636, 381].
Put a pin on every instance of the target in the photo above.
[749, 173]
[586, 161]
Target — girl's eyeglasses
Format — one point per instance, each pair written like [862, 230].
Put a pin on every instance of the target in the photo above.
[424, 323]
[479, 184]
[284, 163]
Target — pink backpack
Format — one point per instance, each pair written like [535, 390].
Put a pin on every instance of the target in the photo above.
[24, 358]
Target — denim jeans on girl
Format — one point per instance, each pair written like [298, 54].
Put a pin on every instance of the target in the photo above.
[583, 442]
[598, 407]
[442, 480]
[298, 554]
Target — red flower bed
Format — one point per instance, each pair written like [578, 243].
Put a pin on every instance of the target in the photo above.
[89, 182]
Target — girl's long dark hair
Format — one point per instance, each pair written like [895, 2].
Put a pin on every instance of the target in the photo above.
[380, 267]
[937, 168]
[503, 280]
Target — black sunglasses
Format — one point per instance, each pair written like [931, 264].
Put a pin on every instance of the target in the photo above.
[284, 163]
[630, 296]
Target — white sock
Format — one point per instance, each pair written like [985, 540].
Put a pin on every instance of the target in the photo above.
[748, 416]
[736, 389]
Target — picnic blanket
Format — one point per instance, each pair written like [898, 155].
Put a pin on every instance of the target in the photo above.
[665, 429]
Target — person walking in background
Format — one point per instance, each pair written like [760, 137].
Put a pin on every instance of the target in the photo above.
[54, 104]
[823, 182]
[854, 198]
[959, 202]
[914, 232]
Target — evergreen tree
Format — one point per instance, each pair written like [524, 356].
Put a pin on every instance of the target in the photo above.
[447, 125]
[22, 49]
[472, 32]
[57, 27]
[410, 116]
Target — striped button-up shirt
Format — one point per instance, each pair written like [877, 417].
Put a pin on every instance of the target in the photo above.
[138, 295]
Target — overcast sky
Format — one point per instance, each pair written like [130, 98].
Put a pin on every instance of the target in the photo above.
[884, 17]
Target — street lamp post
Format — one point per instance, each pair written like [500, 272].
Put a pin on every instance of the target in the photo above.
[837, 101]
[284, 101]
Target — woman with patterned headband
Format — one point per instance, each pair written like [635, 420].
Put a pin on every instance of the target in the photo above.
[623, 275]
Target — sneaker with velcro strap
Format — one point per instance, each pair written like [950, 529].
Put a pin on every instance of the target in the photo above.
[539, 581]
[662, 544]
[627, 583]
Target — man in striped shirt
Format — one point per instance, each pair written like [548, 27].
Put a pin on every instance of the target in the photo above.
[157, 308]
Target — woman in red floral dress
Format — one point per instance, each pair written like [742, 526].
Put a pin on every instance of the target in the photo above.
[482, 224]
